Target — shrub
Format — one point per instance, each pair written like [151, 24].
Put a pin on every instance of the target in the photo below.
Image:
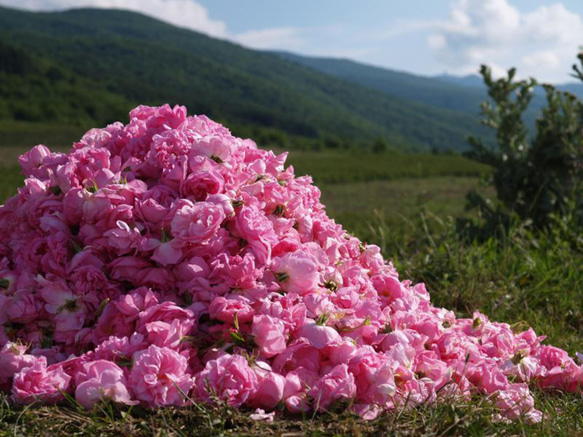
[535, 176]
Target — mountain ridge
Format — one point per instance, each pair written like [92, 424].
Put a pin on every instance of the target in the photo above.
[131, 58]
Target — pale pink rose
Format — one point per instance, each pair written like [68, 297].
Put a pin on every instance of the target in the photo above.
[223, 201]
[22, 307]
[73, 205]
[236, 271]
[270, 387]
[388, 285]
[67, 307]
[160, 377]
[550, 357]
[137, 301]
[195, 223]
[517, 402]
[335, 385]
[367, 411]
[229, 378]
[487, 376]
[213, 147]
[295, 394]
[13, 359]
[431, 369]
[320, 336]
[195, 267]
[101, 380]
[269, 335]
[296, 272]
[342, 352]
[40, 383]
[104, 177]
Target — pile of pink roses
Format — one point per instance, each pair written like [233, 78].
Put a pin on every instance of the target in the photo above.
[165, 262]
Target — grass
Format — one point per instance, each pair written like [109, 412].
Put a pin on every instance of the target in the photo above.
[524, 278]
[24, 134]
[563, 413]
[357, 205]
[356, 166]
[10, 179]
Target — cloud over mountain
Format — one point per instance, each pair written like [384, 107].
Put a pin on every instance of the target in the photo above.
[542, 43]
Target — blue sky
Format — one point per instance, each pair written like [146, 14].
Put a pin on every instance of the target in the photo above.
[428, 37]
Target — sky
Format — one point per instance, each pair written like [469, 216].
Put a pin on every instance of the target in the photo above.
[426, 37]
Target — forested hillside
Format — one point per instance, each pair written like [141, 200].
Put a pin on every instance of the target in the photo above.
[90, 66]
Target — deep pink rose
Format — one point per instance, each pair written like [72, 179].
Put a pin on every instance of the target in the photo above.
[160, 377]
[195, 223]
[337, 384]
[229, 377]
[40, 383]
[200, 184]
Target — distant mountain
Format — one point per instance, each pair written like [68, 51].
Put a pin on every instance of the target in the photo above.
[461, 94]
[475, 81]
[468, 81]
[573, 88]
[433, 92]
[90, 66]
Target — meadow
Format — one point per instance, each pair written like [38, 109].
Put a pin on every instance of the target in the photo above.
[523, 278]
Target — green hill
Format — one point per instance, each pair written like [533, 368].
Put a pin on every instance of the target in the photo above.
[462, 94]
[426, 90]
[90, 66]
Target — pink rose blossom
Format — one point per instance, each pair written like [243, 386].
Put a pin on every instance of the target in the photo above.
[13, 359]
[337, 384]
[101, 380]
[160, 377]
[40, 383]
[269, 335]
[320, 336]
[195, 223]
[229, 378]
[296, 272]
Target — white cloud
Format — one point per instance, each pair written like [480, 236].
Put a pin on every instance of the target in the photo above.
[542, 43]
[288, 38]
[183, 13]
[325, 41]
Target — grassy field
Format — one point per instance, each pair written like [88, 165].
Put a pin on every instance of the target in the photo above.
[355, 166]
[21, 134]
[407, 204]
